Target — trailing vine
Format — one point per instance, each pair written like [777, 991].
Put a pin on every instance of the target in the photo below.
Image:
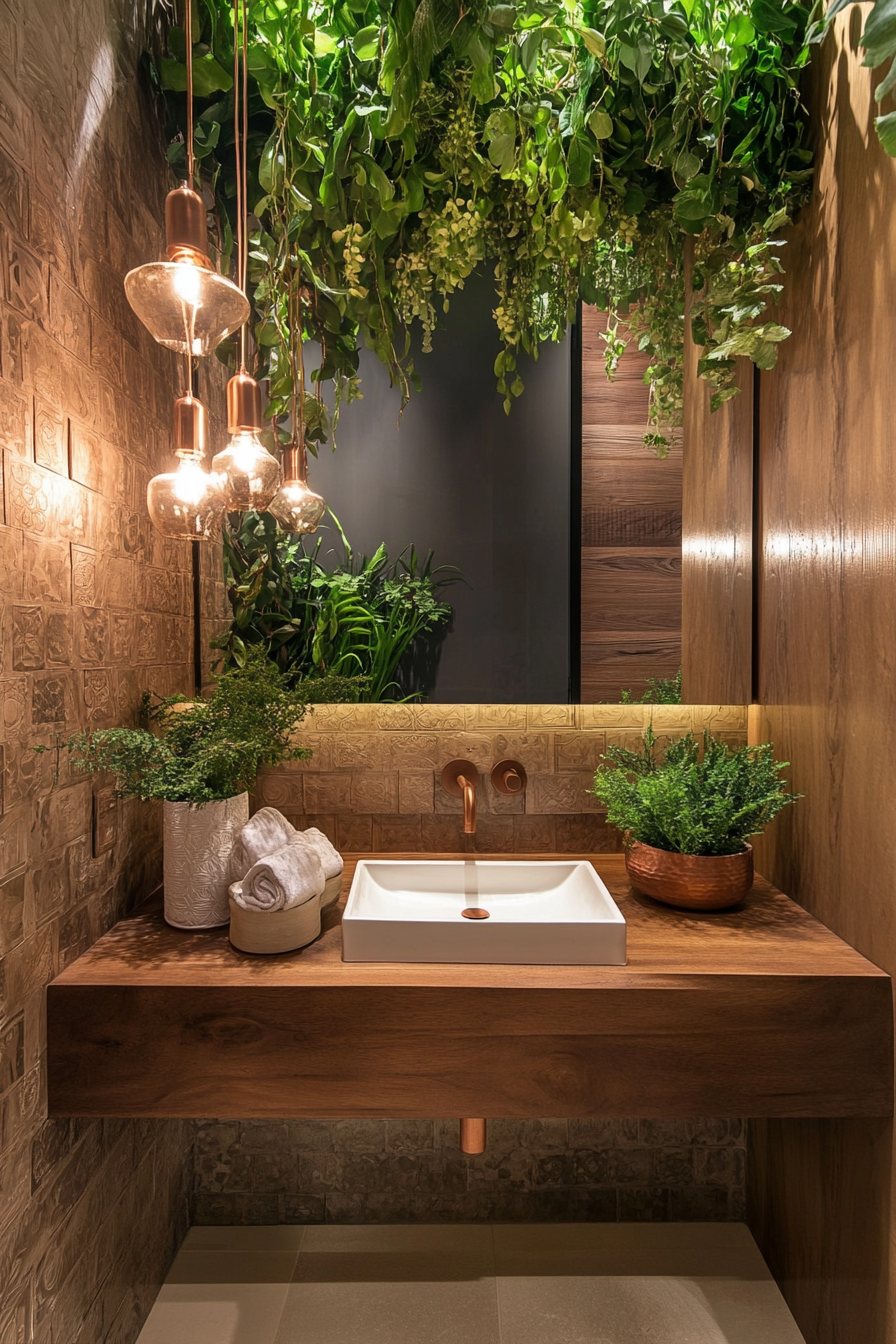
[572, 148]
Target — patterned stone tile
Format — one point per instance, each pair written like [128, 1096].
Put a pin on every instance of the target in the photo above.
[415, 791]
[359, 751]
[393, 834]
[579, 751]
[553, 716]
[534, 835]
[327, 792]
[374, 792]
[28, 636]
[354, 835]
[416, 751]
[560, 793]
[507, 717]
[50, 437]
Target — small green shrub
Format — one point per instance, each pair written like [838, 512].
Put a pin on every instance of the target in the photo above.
[205, 749]
[659, 691]
[372, 627]
[692, 801]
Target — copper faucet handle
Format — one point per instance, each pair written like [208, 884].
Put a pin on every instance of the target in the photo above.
[509, 777]
[452, 773]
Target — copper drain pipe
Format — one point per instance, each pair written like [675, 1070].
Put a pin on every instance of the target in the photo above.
[472, 1136]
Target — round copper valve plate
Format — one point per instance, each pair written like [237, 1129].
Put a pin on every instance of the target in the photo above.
[475, 912]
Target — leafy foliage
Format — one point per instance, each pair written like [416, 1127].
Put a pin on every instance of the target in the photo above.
[879, 41]
[205, 749]
[659, 691]
[572, 145]
[693, 801]
[374, 624]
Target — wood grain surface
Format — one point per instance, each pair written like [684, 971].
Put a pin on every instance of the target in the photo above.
[823, 1194]
[759, 1011]
[631, 530]
[717, 539]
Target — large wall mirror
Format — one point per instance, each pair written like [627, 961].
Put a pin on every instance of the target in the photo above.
[565, 528]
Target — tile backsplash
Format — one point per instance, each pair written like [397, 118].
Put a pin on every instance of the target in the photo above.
[373, 780]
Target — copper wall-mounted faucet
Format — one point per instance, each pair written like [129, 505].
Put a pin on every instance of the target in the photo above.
[461, 778]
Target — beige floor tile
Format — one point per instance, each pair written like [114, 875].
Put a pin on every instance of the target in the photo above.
[232, 1267]
[276, 1238]
[246, 1313]
[393, 1285]
[624, 1283]
[562, 1309]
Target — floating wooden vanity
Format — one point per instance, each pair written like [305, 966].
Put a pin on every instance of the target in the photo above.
[757, 1012]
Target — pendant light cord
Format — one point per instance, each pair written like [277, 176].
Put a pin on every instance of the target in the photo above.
[240, 148]
[238, 167]
[188, 34]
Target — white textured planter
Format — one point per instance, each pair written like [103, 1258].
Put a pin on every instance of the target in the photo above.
[198, 844]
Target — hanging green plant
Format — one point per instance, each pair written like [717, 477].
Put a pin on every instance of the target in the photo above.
[878, 41]
[572, 148]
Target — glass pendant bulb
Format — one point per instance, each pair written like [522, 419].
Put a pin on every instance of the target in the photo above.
[187, 504]
[295, 506]
[184, 303]
[252, 475]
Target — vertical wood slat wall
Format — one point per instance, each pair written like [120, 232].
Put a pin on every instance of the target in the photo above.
[631, 530]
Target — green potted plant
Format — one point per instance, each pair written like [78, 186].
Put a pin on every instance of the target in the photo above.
[687, 815]
[201, 761]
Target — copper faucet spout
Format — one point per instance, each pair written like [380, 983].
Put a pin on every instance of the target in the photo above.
[469, 805]
[461, 778]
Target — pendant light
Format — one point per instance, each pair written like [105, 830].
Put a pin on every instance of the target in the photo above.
[187, 504]
[295, 506]
[183, 301]
[251, 474]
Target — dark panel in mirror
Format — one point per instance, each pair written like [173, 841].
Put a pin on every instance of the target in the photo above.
[488, 492]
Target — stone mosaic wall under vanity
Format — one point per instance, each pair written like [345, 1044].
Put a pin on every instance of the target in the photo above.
[373, 780]
[94, 605]
[369, 1171]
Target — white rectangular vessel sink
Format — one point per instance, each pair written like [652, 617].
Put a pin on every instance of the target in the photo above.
[556, 913]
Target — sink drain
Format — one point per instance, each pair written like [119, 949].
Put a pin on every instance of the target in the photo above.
[474, 912]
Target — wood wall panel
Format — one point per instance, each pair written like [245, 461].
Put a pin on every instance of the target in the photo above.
[717, 539]
[822, 1203]
[631, 530]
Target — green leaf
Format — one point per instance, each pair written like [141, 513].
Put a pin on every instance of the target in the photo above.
[879, 37]
[600, 124]
[579, 160]
[594, 41]
[208, 76]
[774, 17]
[687, 165]
[886, 130]
[500, 136]
[366, 43]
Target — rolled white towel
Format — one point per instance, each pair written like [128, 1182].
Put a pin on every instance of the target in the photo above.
[263, 834]
[331, 859]
[290, 876]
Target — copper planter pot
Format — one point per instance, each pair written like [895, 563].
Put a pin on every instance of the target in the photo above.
[695, 882]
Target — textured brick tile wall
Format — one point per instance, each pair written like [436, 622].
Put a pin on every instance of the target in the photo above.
[94, 605]
[372, 782]
[370, 1171]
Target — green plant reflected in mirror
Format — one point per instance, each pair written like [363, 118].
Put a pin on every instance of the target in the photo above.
[376, 625]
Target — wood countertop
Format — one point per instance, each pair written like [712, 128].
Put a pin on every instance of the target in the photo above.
[756, 1011]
